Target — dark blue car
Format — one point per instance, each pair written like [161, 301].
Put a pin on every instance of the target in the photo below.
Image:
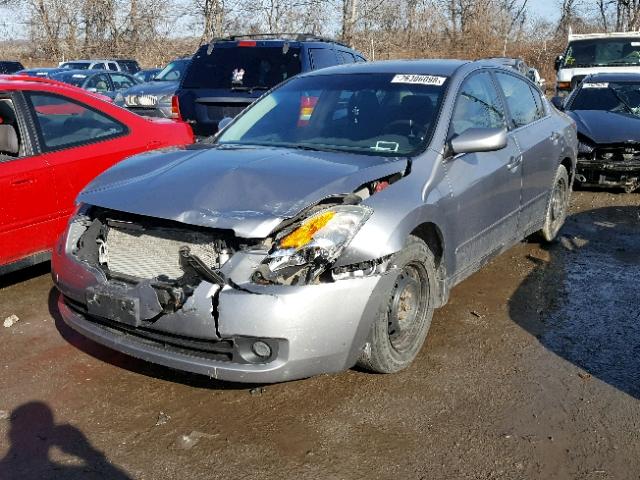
[227, 75]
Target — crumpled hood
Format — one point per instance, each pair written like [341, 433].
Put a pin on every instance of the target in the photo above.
[153, 88]
[247, 189]
[607, 127]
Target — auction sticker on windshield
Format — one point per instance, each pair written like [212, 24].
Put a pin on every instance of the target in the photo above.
[419, 79]
[596, 85]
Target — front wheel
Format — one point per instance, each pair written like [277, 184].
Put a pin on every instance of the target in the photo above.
[558, 206]
[401, 327]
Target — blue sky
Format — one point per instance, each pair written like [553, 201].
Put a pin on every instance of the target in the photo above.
[544, 8]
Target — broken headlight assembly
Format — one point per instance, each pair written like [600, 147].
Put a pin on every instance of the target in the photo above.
[304, 251]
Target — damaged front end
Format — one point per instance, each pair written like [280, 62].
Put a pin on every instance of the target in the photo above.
[205, 300]
[609, 166]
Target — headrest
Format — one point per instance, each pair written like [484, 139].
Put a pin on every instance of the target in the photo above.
[9, 140]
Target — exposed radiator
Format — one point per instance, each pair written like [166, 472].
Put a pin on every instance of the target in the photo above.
[153, 252]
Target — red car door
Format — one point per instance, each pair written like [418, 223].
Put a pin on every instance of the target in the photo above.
[28, 203]
[79, 142]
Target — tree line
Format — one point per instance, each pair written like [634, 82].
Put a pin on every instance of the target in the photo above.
[156, 30]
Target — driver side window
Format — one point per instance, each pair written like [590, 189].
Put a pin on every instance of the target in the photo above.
[477, 106]
[99, 82]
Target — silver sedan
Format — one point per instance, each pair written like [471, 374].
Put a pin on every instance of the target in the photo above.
[320, 228]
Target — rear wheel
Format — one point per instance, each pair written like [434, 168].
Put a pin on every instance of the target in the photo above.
[399, 331]
[558, 206]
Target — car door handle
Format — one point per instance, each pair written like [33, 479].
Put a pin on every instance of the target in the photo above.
[20, 182]
[514, 162]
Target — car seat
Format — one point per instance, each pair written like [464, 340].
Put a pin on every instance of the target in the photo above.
[9, 142]
[363, 114]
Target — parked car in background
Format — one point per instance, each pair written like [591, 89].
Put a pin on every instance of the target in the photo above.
[520, 66]
[54, 139]
[592, 53]
[320, 228]
[40, 72]
[127, 66]
[99, 81]
[606, 109]
[153, 99]
[148, 74]
[229, 74]
[9, 67]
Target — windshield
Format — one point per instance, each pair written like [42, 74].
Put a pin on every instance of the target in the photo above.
[76, 79]
[242, 68]
[622, 97]
[378, 114]
[172, 72]
[76, 65]
[602, 52]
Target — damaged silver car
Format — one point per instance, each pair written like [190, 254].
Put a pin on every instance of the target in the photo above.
[320, 228]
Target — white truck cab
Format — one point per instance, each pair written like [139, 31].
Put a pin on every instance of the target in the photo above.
[596, 53]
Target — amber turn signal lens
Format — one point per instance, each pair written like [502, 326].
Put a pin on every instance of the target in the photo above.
[305, 232]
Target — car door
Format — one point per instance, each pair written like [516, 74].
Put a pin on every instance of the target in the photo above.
[486, 186]
[534, 131]
[79, 142]
[28, 204]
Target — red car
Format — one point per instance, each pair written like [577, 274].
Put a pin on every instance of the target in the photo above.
[54, 139]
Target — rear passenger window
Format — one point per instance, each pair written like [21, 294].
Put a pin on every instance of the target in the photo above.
[65, 123]
[522, 105]
[477, 106]
[322, 57]
[113, 66]
[346, 57]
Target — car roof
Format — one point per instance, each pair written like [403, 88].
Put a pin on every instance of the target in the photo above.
[418, 67]
[614, 77]
[24, 82]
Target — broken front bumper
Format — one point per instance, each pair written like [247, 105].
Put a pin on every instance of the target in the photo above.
[310, 329]
[608, 174]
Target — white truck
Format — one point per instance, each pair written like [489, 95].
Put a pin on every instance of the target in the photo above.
[596, 53]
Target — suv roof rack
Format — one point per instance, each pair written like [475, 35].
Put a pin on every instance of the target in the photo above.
[297, 37]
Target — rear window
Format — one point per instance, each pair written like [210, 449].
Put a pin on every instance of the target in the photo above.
[242, 68]
[75, 65]
[76, 79]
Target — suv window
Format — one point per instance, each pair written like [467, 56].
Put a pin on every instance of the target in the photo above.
[242, 68]
[346, 57]
[113, 66]
[322, 58]
[478, 105]
[62, 122]
[522, 105]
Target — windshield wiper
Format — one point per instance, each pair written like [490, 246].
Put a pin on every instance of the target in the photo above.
[624, 103]
[242, 88]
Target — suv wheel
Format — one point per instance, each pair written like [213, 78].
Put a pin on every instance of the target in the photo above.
[401, 327]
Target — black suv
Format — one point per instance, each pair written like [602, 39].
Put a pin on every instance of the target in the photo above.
[228, 74]
[9, 67]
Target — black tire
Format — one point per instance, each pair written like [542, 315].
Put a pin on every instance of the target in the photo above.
[399, 331]
[558, 205]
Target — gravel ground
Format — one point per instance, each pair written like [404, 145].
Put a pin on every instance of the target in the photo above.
[531, 371]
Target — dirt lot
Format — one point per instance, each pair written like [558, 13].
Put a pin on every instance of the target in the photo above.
[531, 371]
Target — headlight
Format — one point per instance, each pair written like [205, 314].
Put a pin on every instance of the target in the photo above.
[165, 99]
[303, 252]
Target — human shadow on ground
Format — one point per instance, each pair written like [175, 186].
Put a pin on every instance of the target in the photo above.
[33, 434]
[583, 302]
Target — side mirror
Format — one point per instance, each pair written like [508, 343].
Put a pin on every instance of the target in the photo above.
[558, 62]
[224, 122]
[558, 102]
[479, 140]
